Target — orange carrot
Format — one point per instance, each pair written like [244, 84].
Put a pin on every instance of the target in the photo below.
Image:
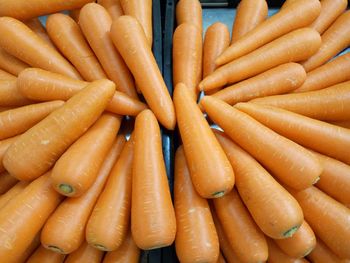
[7, 181]
[273, 209]
[322, 254]
[24, 44]
[11, 193]
[278, 80]
[85, 254]
[18, 120]
[30, 249]
[187, 57]
[113, 7]
[6, 76]
[23, 217]
[75, 13]
[10, 63]
[221, 259]
[288, 2]
[276, 255]
[35, 25]
[295, 167]
[5, 108]
[130, 40]
[10, 95]
[211, 172]
[4, 145]
[334, 39]
[292, 47]
[303, 130]
[40, 147]
[344, 124]
[189, 11]
[152, 226]
[43, 255]
[196, 238]
[245, 238]
[75, 212]
[249, 14]
[95, 22]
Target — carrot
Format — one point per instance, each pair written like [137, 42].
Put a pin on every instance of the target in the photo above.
[142, 11]
[40, 147]
[35, 25]
[11, 193]
[196, 237]
[273, 209]
[276, 255]
[95, 22]
[10, 95]
[278, 80]
[300, 244]
[303, 130]
[24, 44]
[30, 249]
[10, 63]
[244, 236]
[6, 76]
[75, 212]
[221, 259]
[41, 85]
[7, 181]
[344, 124]
[249, 14]
[210, 170]
[43, 255]
[5, 108]
[23, 217]
[292, 47]
[334, 39]
[295, 167]
[18, 120]
[330, 10]
[189, 11]
[127, 252]
[322, 254]
[130, 40]
[331, 73]
[152, 226]
[328, 218]
[84, 254]
[287, 3]
[113, 7]
[75, 13]
[4, 145]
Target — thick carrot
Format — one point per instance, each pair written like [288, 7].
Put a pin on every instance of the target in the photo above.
[187, 57]
[67, 36]
[6, 76]
[273, 209]
[328, 218]
[196, 237]
[10, 95]
[43, 255]
[153, 222]
[142, 11]
[35, 25]
[292, 47]
[244, 236]
[127, 252]
[249, 14]
[11, 193]
[24, 44]
[334, 39]
[344, 124]
[7, 181]
[75, 13]
[85, 254]
[18, 120]
[331, 73]
[322, 254]
[130, 40]
[211, 172]
[95, 22]
[10, 63]
[75, 212]
[278, 80]
[300, 244]
[286, 160]
[113, 7]
[189, 11]
[30, 249]
[108, 224]
[303, 130]
[276, 255]
[41, 146]
[41, 85]
[4, 145]
[24, 215]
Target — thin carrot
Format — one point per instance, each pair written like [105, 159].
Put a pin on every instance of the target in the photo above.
[43, 255]
[23, 43]
[84, 254]
[211, 172]
[18, 120]
[95, 22]
[322, 254]
[273, 209]
[113, 7]
[11, 193]
[35, 25]
[7, 181]
[24, 215]
[334, 39]
[303, 130]
[10, 63]
[10, 95]
[6, 76]
[41, 146]
[75, 212]
[189, 11]
[292, 47]
[153, 222]
[196, 237]
[4, 145]
[75, 13]
[249, 14]
[130, 40]
[286, 160]
[276, 255]
[344, 124]
[30, 249]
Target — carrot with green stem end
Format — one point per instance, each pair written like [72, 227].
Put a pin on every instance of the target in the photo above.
[11, 193]
[4, 145]
[295, 46]
[42, 145]
[189, 11]
[11, 64]
[113, 7]
[6, 76]
[276, 255]
[210, 170]
[322, 254]
[7, 181]
[85, 253]
[43, 255]
[10, 95]
[35, 25]
[130, 40]
[286, 160]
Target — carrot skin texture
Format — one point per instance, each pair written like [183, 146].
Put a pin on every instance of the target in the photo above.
[11, 64]
[113, 7]
[35, 25]
[6, 76]
[10, 95]
[11, 193]
[4, 145]
[131, 42]
[276, 255]
[322, 254]
[43, 255]
[53, 135]
[189, 11]
[85, 253]
[194, 222]
[7, 181]
[151, 227]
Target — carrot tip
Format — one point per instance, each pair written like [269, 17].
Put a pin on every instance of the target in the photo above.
[66, 189]
[290, 232]
[101, 247]
[56, 249]
[219, 194]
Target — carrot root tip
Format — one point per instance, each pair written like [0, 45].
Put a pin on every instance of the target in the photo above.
[290, 232]
[101, 247]
[219, 194]
[65, 188]
[317, 179]
[56, 249]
